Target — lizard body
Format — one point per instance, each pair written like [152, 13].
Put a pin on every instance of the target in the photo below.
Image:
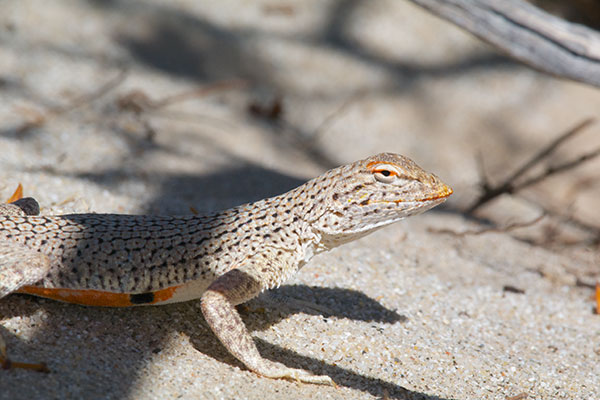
[224, 258]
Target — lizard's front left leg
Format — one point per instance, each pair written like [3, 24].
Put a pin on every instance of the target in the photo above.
[218, 306]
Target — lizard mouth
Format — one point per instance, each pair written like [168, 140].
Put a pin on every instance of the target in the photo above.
[443, 193]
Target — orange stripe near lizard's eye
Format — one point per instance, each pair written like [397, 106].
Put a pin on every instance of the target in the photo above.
[379, 167]
[386, 172]
[99, 298]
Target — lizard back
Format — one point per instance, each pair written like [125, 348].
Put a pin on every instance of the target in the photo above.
[142, 253]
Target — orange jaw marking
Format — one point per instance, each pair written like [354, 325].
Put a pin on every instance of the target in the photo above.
[88, 297]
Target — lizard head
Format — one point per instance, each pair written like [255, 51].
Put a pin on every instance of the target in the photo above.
[378, 191]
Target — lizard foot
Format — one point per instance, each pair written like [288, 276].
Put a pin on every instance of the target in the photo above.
[276, 370]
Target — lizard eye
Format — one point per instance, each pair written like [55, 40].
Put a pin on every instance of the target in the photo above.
[385, 175]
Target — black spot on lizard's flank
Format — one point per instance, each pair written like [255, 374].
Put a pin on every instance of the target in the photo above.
[142, 298]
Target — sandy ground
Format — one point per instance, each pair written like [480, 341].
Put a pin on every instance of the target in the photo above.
[405, 313]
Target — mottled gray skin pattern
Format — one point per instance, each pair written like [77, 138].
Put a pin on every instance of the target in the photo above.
[232, 255]
[141, 253]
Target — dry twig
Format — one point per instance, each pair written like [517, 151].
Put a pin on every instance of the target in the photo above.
[38, 118]
[138, 101]
[570, 219]
[512, 185]
[94, 95]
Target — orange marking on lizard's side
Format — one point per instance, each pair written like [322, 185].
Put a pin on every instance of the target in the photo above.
[88, 297]
[83, 297]
[164, 294]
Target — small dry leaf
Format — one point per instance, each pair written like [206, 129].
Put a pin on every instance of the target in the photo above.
[17, 195]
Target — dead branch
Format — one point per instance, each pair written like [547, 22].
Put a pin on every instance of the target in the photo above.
[545, 152]
[528, 34]
[94, 95]
[572, 220]
[552, 170]
[38, 118]
[138, 101]
[512, 185]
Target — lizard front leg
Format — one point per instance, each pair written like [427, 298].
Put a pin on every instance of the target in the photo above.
[218, 306]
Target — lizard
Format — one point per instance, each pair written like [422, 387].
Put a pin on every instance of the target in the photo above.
[224, 258]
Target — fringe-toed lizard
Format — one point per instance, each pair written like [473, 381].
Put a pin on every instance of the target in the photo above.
[224, 259]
